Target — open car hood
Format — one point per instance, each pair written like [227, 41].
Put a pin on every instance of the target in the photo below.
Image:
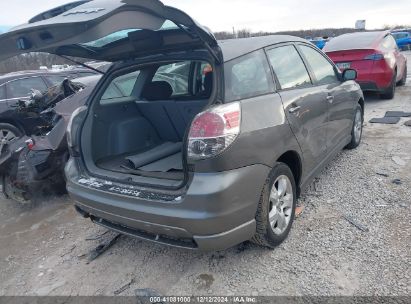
[108, 30]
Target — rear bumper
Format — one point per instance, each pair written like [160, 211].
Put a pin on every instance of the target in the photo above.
[30, 171]
[377, 79]
[369, 86]
[217, 211]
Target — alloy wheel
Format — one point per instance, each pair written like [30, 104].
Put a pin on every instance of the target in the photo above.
[281, 204]
[358, 126]
[6, 137]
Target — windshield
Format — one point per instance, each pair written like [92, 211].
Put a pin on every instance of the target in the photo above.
[400, 35]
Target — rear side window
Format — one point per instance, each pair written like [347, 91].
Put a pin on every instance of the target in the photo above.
[289, 67]
[120, 87]
[389, 43]
[176, 75]
[321, 67]
[2, 92]
[247, 76]
[22, 87]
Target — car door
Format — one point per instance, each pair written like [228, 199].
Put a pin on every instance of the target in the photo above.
[340, 102]
[305, 105]
[2, 93]
[21, 88]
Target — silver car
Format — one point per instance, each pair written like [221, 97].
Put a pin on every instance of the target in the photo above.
[188, 141]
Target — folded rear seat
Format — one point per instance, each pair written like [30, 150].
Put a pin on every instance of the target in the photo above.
[157, 153]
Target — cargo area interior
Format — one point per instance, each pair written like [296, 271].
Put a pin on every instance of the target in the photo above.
[140, 123]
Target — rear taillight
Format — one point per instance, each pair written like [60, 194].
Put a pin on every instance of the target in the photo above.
[213, 131]
[72, 130]
[30, 144]
[375, 57]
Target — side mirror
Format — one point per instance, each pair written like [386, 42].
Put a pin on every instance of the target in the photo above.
[349, 74]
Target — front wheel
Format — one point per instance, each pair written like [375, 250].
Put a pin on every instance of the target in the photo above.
[357, 128]
[276, 208]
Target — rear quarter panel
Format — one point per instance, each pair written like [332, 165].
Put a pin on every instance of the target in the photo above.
[265, 136]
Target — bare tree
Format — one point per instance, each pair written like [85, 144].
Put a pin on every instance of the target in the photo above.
[30, 61]
[35, 60]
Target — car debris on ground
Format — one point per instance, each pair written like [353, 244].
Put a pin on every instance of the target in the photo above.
[103, 247]
[355, 223]
[125, 287]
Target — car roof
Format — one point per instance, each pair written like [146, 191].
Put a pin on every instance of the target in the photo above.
[358, 40]
[233, 48]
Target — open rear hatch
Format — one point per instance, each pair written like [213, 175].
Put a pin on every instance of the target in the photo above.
[140, 133]
[109, 30]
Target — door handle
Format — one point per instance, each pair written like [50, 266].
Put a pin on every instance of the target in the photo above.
[294, 110]
[330, 98]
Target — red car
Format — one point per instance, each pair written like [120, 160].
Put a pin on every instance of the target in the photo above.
[376, 58]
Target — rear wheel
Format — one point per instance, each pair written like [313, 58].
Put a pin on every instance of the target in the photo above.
[404, 78]
[276, 208]
[390, 92]
[8, 133]
[356, 133]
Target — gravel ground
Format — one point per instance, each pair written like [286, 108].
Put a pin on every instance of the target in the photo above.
[43, 247]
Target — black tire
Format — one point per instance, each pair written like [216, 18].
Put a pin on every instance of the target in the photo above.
[265, 235]
[390, 92]
[355, 141]
[404, 77]
[12, 128]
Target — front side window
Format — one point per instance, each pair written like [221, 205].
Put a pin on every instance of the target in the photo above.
[247, 76]
[323, 70]
[400, 36]
[22, 87]
[288, 67]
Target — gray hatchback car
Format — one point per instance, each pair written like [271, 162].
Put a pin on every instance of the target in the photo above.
[191, 142]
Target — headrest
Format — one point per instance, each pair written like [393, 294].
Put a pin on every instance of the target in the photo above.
[157, 90]
[208, 84]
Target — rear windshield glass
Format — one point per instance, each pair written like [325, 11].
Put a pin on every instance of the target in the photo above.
[352, 41]
[116, 36]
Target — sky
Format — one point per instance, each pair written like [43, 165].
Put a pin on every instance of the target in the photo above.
[255, 15]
